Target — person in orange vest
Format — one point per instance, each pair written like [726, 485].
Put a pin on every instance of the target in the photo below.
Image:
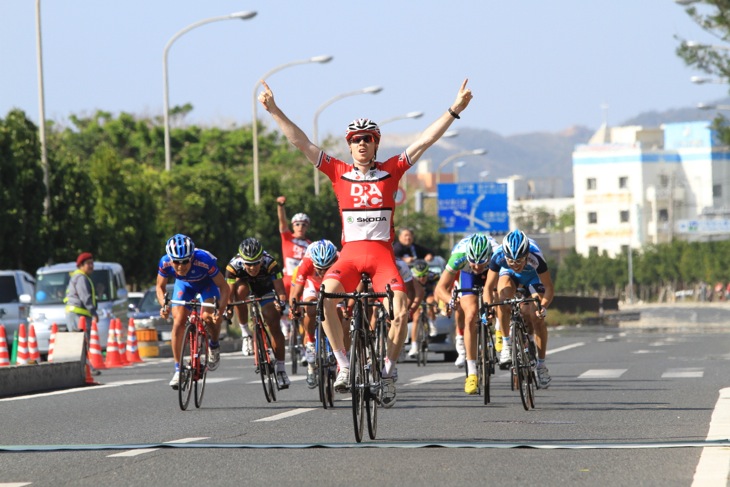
[80, 297]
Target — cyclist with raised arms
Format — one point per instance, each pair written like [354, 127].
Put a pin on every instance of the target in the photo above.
[518, 262]
[253, 271]
[195, 272]
[425, 282]
[294, 242]
[365, 193]
[318, 258]
[469, 258]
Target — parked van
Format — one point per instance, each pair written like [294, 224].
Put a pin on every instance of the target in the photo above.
[48, 306]
[16, 289]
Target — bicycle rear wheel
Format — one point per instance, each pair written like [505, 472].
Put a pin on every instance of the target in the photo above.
[270, 364]
[202, 367]
[262, 360]
[187, 362]
[357, 382]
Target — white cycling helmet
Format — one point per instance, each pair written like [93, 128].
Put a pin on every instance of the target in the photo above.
[300, 217]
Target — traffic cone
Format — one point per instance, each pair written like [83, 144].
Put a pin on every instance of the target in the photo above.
[52, 341]
[112, 350]
[89, 379]
[33, 354]
[82, 323]
[23, 356]
[132, 350]
[4, 355]
[96, 359]
[121, 344]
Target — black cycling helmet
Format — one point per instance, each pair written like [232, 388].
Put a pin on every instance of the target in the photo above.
[250, 250]
[420, 268]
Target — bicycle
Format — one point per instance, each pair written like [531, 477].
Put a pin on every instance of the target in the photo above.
[325, 362]
[423, 332]
[263, 346]
[194, 353]
[486, 353]
[367, 353]
[295, 345]
[524, 361]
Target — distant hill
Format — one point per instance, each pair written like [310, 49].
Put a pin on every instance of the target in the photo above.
[536, 155]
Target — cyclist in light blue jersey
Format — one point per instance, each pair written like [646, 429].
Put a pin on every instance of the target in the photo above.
[195, 272]
[469, 259]
[519, 263]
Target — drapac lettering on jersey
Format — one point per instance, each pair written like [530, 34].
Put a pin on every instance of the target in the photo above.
[365, 195]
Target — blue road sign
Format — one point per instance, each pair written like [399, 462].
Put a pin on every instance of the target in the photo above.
[473, 207]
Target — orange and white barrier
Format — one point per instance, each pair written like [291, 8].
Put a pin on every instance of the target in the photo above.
[96, 359]
[132, 349]
[22, 357]
[112, 349]
[121, 344]
[52, 342]
[34, 356]
[4, 353]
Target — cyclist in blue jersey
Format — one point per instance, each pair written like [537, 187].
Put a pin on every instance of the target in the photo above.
[518, 262]
[469, 259]
[195, 272]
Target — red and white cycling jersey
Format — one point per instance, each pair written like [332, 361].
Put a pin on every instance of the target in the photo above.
[366, 200]
[292, 251]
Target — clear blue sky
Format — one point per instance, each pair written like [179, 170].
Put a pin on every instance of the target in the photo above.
[532, 65]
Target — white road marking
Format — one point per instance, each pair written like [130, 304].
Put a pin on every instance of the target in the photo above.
[714, 465]
[84, 389]
[286, 414]
[14, 484]
[685, 373]
[425, 379]
[602, 374]
[142, 451]
[215, 380]
[564, 348]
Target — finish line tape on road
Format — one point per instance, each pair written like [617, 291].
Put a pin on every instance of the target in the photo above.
[724, 443]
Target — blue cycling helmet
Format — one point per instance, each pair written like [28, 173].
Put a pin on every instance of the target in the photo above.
[323, 254]
[515, 245]
[479, 250]
[180, 247]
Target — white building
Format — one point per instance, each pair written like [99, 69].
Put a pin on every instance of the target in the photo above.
[638, 186]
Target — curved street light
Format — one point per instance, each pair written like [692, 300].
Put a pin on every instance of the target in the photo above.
[474, 152]
[401, 117]
[709, 106]
[165, 87]
[254, 125]
[364, 91]
[700, 80]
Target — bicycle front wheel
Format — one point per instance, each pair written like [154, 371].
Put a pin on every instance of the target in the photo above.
[202, 367]
[187, 363]
[522, 366]
[485, 354]
[357, 382]
[373, 392]
[262, 360]
[294, 346]
[322, 365]
[423, 330]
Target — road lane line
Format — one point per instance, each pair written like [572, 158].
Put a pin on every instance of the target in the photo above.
[286, 414]
[188, 440]
[132, 453]
[84, 389]
[602, 374]
[564, 348]
[425, 379]
[684, 373]
[714, 465]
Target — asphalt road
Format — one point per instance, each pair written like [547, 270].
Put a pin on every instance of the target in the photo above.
[627, 406]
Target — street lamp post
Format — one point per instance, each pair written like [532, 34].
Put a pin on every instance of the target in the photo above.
[254, 125]
[701, 80]
[42, 111]
[369, 90]
[401, 117]
[474, 152]
[457, 165]
[165, 87]
[483, 175]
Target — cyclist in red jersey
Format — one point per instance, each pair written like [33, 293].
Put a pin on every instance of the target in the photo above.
[365, 193]
[294, 242]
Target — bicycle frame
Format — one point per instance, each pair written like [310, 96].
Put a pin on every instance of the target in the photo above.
[365, 380]
[193, 371]
[263, 345]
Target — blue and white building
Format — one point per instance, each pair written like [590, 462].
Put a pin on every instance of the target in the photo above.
[636, 186]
